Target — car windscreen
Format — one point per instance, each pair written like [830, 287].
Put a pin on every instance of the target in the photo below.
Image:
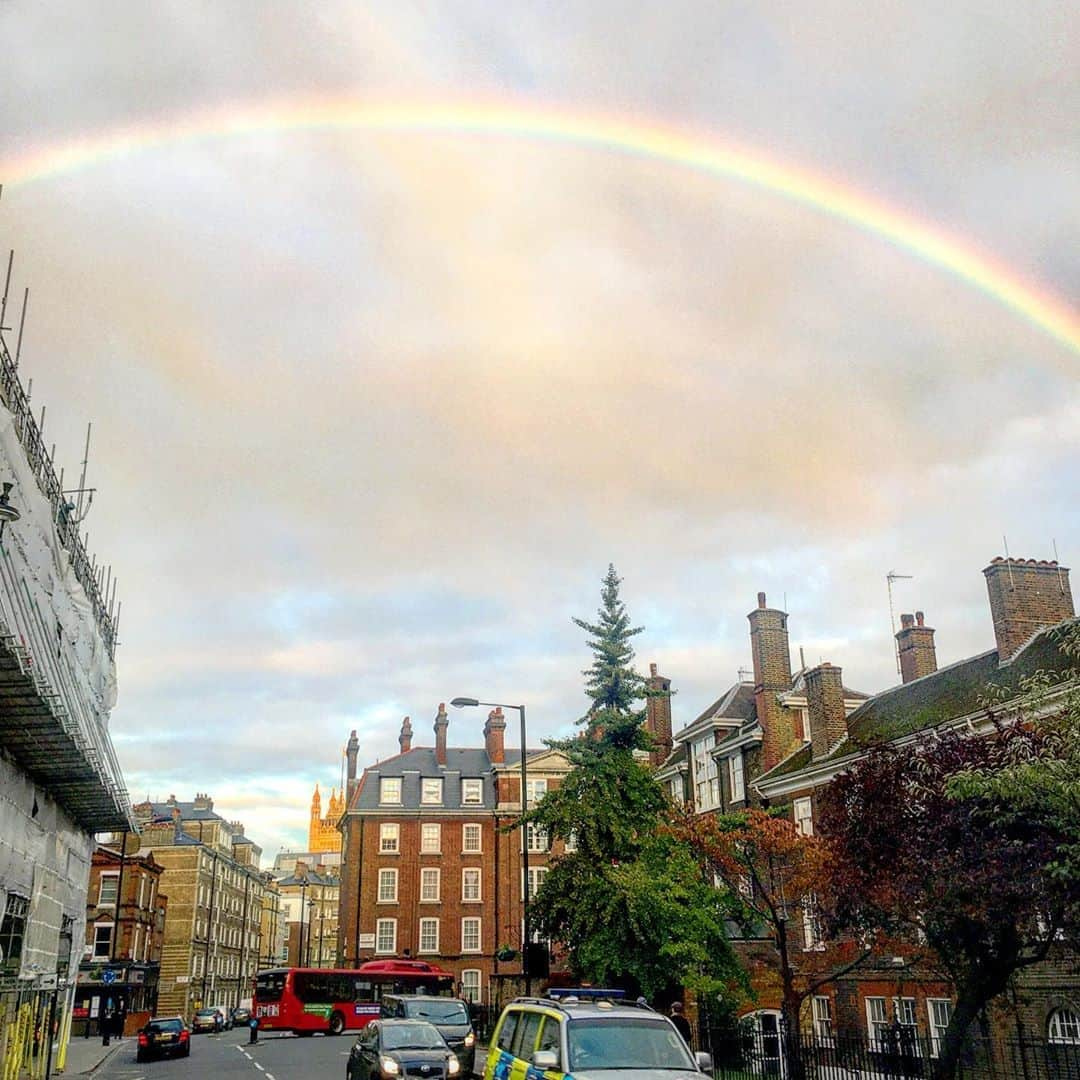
[165, 1025]
[626, 1043]
[416, 1036]
[207, 1012]
[439, 1012]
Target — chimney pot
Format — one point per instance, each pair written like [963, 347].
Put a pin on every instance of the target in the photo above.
[441, 724]
[760, 599]
[906, 621]
[919, 617]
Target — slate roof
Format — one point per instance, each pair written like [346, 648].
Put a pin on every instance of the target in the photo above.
[187, 811]
[951, 692]
[735, 703]
[311, 878]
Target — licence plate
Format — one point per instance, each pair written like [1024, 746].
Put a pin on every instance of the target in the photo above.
[164, 1038]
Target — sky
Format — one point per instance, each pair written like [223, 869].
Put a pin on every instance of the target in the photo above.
[374, 407]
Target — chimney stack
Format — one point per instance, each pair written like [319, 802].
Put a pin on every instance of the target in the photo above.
[1026, 596]
[178, 828]
[825, 708]
[772, 676]
[405, 736]
[658, 716]
[352, 749]
[441, 724]
[203, 802]
[915, 645]
[495, 736]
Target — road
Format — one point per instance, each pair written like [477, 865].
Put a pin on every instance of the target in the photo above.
[229, 1057]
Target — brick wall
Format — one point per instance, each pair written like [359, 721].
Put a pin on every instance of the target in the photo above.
[915, 645]
[1025, 596]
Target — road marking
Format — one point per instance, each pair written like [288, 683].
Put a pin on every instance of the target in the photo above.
[259, 1067]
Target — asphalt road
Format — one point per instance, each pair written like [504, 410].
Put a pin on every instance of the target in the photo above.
[228, 1056]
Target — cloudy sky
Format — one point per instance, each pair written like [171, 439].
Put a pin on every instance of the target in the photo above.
[373, 410]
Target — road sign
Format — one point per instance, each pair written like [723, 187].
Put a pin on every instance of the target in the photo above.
[108, 976]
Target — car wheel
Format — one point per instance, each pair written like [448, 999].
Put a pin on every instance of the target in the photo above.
[186, 1053]
[337, 1024]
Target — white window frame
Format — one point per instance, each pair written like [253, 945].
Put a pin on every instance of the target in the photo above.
[535, 789]
[536, 879]
[426, 846]
[465, 849]
[803, 813]
[390, 790]
[389, 838]
[472, 792]
[737, 778]
[472, 985]
[467, 873]
[821, 1009]
[382, 925]
[571, 843]
[706, 773]
[877, 1026]
[470, 921]
[114, 877]
[935, 1007]
[537, 839]
[100, 925]
[1063, 1028]
[429, 874]
[811, 924]
[387, 895]
[431, 927]
[431, 791]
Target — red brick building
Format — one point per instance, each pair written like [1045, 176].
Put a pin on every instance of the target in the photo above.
[427, 870]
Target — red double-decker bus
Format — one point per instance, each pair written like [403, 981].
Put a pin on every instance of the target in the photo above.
[306, 1000]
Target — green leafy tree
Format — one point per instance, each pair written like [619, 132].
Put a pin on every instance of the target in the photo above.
[628, 899]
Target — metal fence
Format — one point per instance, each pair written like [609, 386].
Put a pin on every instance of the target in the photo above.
[751, 1053]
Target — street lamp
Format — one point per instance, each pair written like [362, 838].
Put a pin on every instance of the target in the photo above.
[300, 944]
[464, 703]
[310, 927]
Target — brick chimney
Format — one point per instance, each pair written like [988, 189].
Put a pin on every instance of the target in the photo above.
[772, 676]
[352, 749]
[405, 736]
[441, 724]
[203, 802]
[825, 708]
[1026, 595]
[915, 644]
[658, 716]
[495, 737]
[178, 828]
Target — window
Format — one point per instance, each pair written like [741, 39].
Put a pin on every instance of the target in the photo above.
[676, 788]
[431, 791]
[430, 839]
[390, 789]
[706, 779]
[536, 790]
[470, 935]
[939, 1010]
[429, 884]
[470, 984]
[389, 836]
[811, 917]
[507, 1030]
[804, 817]
[472, 792]
[388, 886]
[735, 775]
[429, 935]
[536, 879]
[470, 839]
[536, 838]
[386, 935]
[571, 841]
[103, 935]
[470, 883]
[1063, 1027]
[822, 1012]
[107, 889]
[877, 1022]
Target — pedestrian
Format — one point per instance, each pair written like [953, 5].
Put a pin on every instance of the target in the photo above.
[678, 1018]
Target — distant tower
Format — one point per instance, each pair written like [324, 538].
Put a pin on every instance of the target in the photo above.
[323, 833]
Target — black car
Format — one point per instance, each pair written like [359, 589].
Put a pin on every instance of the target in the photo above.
[164, 1037]
[449, 1015]
[392, 1049]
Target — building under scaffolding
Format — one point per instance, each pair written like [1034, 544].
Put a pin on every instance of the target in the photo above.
[59, 779]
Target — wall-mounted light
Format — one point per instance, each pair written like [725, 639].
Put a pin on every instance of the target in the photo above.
[7, 511]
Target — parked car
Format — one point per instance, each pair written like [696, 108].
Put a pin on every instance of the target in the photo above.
[392, 1049]
[226, 1016]
[449, 1015]
[164, 1036]
[241, 1014]
[206, 1020]
[584, 1031]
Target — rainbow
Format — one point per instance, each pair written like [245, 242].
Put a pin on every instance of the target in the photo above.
[677, 147]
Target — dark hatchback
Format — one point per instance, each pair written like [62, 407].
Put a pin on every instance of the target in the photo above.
[389, 1049]
[167, 1036]
[449, 1015]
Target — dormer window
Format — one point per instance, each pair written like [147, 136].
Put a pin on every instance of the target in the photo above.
[431, 791]
[390, 790]
[472, 792]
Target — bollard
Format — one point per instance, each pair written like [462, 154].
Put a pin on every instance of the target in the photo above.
[253, 1030]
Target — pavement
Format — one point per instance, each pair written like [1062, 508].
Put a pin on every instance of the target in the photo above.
[85, 1056]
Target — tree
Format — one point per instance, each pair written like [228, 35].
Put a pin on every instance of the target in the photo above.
[774, 883]
[627, 900]
[965, 873]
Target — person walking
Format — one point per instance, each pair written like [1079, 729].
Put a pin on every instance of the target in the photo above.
[678, 1018]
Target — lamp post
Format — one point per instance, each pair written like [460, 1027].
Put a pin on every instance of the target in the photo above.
[310, 927]
[300, 943]
[463, 703]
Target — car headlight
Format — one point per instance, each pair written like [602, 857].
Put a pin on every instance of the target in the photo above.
[470, 1039]
[453, 1067]
[389, 1066]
